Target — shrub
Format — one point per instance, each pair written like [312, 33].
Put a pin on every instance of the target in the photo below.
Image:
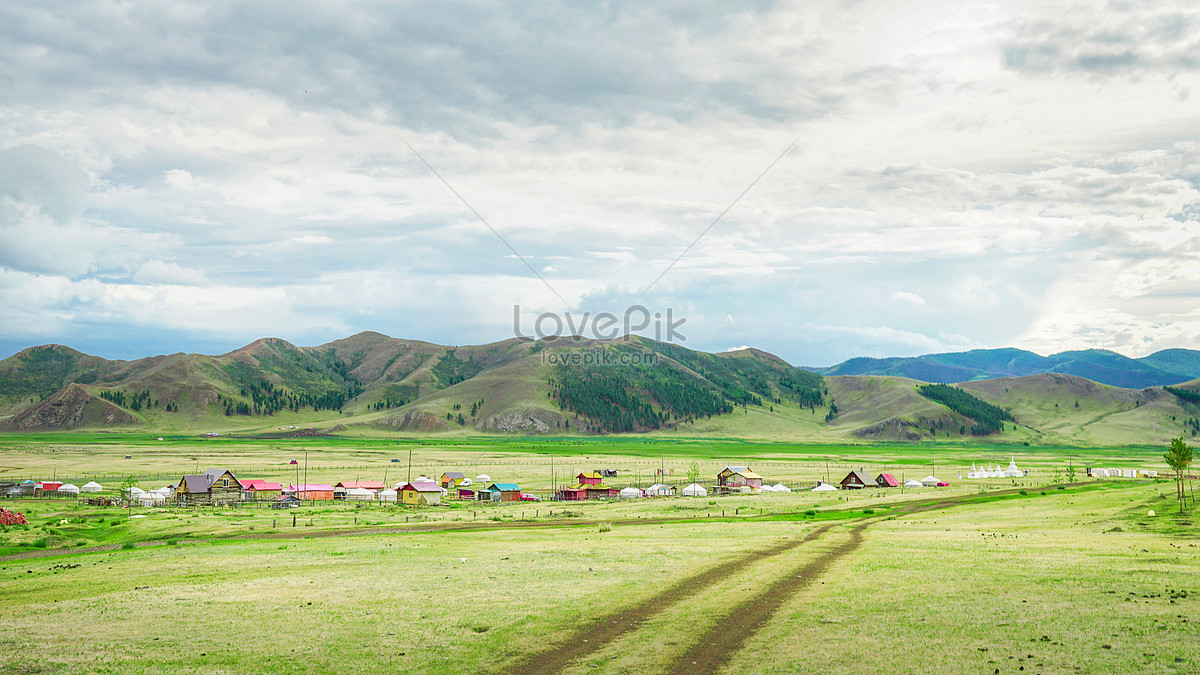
[1024, 492]
[128, 546]
[810, 512]
[868, 511]
[606, 527]
[172, 542]
[40, 543]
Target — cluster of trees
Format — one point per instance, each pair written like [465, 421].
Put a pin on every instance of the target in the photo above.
[267, 399]
[389, 403]
[1187, 395]
[135, 401]
[684, 397]
[605, 398]
[747, 381]
[450, 370]
[988, 418]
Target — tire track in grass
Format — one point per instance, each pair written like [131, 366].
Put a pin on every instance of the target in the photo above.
[598, 634]
[716, 646]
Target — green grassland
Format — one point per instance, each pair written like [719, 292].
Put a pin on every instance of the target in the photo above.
[1049, 580]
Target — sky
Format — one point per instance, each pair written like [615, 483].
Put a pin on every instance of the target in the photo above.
[820, 180]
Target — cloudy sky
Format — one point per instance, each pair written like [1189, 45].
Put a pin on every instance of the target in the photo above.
[192, 176]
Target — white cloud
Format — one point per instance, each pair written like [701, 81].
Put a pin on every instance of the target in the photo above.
[909, 297]
[169, 273]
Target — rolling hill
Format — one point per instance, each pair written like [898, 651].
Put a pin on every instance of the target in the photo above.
[374, 384]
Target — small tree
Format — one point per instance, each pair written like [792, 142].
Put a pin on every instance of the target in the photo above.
[1178, 457]
[693, 472]
[1071, 473]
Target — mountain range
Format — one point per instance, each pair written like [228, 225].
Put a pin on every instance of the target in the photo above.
[371, 383]
[1166, 367]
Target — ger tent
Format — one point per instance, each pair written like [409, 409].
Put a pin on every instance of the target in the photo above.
[92, 486]
[780, 487]
[483, 478]
[913, 482]
[388, 495]
[630, 493]
[824, 487]
[360, 494]
[930, 481]
[69, 489]
[695, 490]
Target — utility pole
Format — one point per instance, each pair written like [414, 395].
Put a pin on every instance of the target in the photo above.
[410, 465]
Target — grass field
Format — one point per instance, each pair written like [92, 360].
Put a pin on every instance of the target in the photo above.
[1024, 576]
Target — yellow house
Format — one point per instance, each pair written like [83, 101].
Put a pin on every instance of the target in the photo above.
[420, 494]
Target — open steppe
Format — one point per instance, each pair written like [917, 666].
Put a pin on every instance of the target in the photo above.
[1026, 575]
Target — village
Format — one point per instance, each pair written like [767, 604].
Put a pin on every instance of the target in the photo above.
[221, 487]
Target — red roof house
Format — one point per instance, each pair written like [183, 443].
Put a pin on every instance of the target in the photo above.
[886, 480]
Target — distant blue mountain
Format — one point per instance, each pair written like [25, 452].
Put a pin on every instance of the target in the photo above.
[1169, 366]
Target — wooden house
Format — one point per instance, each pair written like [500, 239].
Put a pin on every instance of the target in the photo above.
[502, 492]
[856, 480]
[213, 487]
[739, 476]
[885, 480]
[452, 479]
[258, 490]
[466, 493]
[420, 493]
[590, 490]
[593, 478]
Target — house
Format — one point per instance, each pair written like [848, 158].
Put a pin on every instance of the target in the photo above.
[213, 487]
[502, 492]
[593, 478]
[257, 489]
[311, 492]
[466, 493]
[886, 480]
[420, 493]
[46, 487]
[856, 480]
[452, 479]
[593, 489]
[739, 476]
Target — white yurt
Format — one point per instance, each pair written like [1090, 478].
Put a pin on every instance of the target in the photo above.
[930, 481]
[658, 490]
[388, 495]
[630, 493]
[359, 494]
[913, 482]
[69, 488]
[165, 491]
[780, 487]
[151, 499]
[824, 487]
[92, 486]
[135, 491]
[695, 490]
[483, 478]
